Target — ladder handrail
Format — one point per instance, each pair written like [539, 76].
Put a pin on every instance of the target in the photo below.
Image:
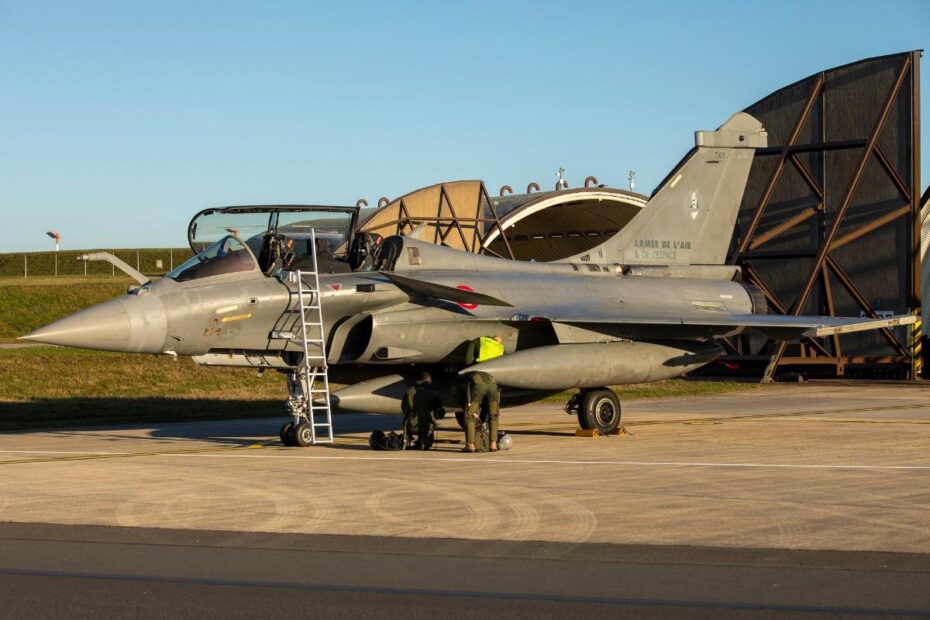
[313, 372]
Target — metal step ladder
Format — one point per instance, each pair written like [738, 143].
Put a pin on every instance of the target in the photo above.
[314, 368]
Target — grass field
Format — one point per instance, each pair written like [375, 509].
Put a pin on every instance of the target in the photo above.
[29, 303]
[47, 386]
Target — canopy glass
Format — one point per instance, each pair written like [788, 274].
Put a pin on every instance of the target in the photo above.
[280, 235]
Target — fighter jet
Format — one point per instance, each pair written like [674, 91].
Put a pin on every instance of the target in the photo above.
[650, 303]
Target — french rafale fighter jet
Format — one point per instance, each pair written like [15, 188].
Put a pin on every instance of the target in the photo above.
[647, 304]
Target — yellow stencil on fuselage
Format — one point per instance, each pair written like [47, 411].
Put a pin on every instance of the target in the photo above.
[235, 317]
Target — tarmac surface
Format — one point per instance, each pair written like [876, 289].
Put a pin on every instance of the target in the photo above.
[780, 500]
[93, 571]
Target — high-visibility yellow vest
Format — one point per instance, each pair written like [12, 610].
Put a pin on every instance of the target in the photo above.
[488, 349]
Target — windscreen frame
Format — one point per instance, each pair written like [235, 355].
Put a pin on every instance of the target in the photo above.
[273, 212]
[253, 259]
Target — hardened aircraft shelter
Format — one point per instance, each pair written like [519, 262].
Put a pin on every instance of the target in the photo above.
[830, 222]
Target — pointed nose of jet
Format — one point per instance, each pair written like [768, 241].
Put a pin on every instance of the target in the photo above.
[129, 323]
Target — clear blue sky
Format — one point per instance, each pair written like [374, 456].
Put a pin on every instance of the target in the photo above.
[121, 119]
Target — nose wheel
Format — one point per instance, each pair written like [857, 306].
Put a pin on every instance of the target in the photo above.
[287, 434]
[303, 435]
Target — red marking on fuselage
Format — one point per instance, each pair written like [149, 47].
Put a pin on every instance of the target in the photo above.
[465, 287]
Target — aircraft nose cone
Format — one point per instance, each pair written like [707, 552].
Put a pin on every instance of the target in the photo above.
[122, 324]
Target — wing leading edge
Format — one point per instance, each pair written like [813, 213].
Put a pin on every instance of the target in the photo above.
[777, 326]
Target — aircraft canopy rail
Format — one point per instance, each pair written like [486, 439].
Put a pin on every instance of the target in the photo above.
[250, 221]
[279, 230]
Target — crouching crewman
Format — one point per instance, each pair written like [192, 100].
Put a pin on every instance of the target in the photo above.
[421, 406]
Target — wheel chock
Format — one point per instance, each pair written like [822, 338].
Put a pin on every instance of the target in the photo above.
[593, 432]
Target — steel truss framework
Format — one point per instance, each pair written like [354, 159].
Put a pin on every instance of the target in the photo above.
[816, 212]
[460, 213]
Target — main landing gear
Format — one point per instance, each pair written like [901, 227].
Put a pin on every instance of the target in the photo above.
[596, 408]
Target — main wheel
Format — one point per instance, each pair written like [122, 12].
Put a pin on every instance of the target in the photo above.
[287, 434]
[575, 405]
[303, 434]
[600, 409]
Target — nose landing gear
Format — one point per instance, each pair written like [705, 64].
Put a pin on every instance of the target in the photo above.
[287, 434]
[294, 436]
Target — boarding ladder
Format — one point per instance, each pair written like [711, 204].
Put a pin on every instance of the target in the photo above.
[313, 370]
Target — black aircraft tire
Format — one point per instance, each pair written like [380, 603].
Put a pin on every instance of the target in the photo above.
[583, 421]
[286, 434]
[582, 416]
[600, 409]
[303, 435]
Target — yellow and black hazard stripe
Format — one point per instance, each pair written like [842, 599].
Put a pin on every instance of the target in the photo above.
[917, 338]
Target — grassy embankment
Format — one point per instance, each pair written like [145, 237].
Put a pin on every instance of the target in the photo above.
[46, 386]
[28, 303]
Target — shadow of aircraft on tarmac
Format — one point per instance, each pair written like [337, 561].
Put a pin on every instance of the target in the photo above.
[216, 421]
[231, 422]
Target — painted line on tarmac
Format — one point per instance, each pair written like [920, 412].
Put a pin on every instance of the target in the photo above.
[85, 452]
[788, 414]
[496, 461]
[66, 456]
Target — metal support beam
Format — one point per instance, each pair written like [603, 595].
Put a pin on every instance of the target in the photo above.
[826, 244]
[782, 158]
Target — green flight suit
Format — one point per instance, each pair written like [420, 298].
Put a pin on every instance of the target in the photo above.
[482, 391]
[421, 406]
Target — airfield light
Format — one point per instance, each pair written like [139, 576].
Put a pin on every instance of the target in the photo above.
[56, 236]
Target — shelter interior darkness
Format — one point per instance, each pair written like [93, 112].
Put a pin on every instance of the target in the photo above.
[553, 225]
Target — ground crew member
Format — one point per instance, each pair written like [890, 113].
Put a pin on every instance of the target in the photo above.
[483, 349]
[421, 406]
[481, 390]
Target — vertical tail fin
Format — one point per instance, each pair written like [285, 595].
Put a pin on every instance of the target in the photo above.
[690, 219]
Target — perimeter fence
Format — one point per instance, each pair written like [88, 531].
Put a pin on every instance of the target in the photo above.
[149, 261]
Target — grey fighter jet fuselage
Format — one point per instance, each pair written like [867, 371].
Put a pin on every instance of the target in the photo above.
[648, 304]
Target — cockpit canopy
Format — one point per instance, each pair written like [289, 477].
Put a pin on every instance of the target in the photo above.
[280, 235]
[228, 255]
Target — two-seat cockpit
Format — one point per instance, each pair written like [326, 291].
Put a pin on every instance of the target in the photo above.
[271, 238]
